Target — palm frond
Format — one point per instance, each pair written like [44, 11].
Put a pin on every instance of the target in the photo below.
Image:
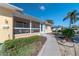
[74, 11]
[66, 17]
[77, 14]
[77, 18]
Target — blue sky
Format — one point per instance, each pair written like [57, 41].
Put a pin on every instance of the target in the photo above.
[54, 11]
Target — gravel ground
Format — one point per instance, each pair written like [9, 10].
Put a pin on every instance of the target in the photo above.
[69, 50]
[66, 50]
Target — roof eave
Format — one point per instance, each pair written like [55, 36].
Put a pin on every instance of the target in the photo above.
[10, 6]
[16, 8]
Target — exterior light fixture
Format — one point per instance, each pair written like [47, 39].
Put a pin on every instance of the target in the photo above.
[5, 26]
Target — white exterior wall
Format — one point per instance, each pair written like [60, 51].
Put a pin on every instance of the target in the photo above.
[46, 29]
[43, 28]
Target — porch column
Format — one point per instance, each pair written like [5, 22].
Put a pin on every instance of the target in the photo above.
[30, 26]
[43, 28]
[40, 27]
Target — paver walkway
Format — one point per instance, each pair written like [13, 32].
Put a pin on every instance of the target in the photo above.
[50, 47]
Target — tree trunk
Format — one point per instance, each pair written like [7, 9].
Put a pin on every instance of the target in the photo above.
[67, 39]
[74, 25]
[70, 24]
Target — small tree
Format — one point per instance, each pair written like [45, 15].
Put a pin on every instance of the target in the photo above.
[68, 34]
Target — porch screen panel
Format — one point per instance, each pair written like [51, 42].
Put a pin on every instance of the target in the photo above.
[35, 30]
[21, 27]
[22, 24]
[35, 27]
[21, 31]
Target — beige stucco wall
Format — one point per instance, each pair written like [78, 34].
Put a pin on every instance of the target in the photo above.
[5, 15]
[48, 29]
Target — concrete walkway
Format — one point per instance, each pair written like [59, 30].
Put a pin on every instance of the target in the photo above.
[50, 47]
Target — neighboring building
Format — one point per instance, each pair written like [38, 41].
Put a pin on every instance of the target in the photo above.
[56, 28]
[15, 24]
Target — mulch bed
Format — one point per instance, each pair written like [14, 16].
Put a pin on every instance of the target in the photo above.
[39, 45]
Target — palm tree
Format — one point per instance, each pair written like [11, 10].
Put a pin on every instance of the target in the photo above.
[50, 21]
[72, 16]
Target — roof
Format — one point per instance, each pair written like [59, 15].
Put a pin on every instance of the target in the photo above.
[27, 17]
[9, 6]
[19, 13]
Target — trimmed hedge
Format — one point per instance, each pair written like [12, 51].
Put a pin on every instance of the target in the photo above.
[11, 47]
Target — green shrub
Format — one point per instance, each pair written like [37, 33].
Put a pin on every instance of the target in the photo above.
[68, 33]
[59, 30]
[11, 47]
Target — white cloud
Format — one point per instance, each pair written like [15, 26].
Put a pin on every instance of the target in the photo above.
[42, 7]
